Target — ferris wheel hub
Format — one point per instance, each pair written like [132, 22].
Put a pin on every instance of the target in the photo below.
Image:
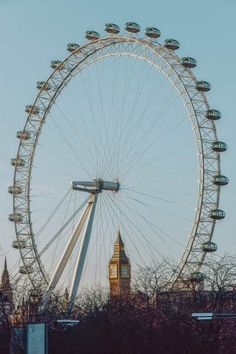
[96, 186]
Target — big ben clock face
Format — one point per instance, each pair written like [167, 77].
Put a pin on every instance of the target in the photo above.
[125, 271]
[113, 271]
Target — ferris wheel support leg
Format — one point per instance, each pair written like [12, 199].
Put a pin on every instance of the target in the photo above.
[82, 254]
[68, 250]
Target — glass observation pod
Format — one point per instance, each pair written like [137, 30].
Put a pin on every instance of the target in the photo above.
[112, 28]
[203, 86]
[43, 85]
[197, 277]
[188, 62]
[209, 246]
[15, 217]
[172, 44]
[18, 244]
[31, 109]
[220, 180]
[18, 162]
[14, 190]
[152, 32]
[217, 214]
[23, 134]
[71, 47]
[213, 114]
[92, 35]
[25, 269]
[57, 64]
[219, 146]
[132, 27]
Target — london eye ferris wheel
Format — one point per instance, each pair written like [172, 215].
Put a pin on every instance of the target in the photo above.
[120, 134]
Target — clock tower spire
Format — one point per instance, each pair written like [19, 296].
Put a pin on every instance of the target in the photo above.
[119, 270]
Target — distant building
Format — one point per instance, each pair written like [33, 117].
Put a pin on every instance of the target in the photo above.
[6, 288]
[119, 270]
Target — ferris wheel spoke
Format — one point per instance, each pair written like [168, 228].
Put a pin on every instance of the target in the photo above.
[127, 229]
[118, 117]
[151, 207]
[53, 213]
[104, 121]
[157, 231]
[132, 190]
[87, 144]
[145, 241]
[155, 197]
[62, 228]
[138, 155]
[100, 141]
[130, 125]
[136, 161]
[75, 153]
[158, 158]
[136, 140]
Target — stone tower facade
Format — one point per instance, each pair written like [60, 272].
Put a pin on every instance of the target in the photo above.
[119, 270]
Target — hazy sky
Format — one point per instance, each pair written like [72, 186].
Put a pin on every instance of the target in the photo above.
[33, 33]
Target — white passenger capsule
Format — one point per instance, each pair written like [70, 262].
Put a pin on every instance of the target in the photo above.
[203, 86]
[14, 190]
[172, 44]
[197, 277]
[220, 180]
[219, 146]
[92, 35]
[27, 269]
[188, 62]
[217, 214]
[18, 162]
[213, 114]
[71, 47]
[15, 217]
[23, 134]
[18, 244]
[152, 32]
[112, 28]
[31, 109]
[57, 64]
[209, 246]
[132, 27]
[43, 85]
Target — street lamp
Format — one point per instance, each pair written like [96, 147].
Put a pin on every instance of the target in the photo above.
[33, 305]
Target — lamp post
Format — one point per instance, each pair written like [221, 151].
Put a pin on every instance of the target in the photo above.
[33, 305]
[35, 326]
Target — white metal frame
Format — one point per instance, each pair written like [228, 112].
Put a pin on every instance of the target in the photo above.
[196, 104]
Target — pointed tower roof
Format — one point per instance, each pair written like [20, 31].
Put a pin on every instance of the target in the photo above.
[5, 264]
[119, 249]
[119, 241]
[5, 274]
[6, 286]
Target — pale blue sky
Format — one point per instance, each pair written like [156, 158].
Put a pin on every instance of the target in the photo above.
[32, 33]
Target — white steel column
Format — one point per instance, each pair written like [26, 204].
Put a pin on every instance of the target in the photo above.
[69, 248]
[82, 252]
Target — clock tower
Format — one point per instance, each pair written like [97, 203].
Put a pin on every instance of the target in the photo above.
[119, 270]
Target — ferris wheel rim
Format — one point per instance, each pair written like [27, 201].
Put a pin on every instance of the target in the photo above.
[174, 64]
